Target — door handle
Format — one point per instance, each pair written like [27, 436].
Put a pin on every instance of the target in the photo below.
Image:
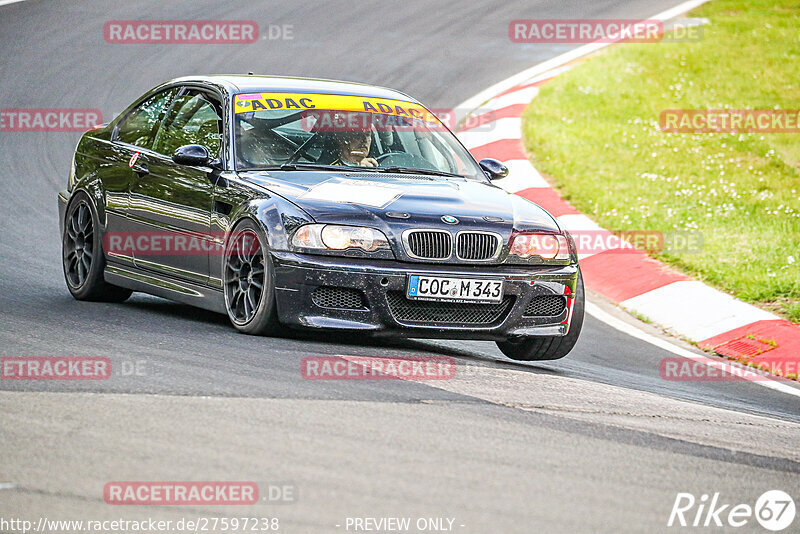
[141, 170]
[138, 164]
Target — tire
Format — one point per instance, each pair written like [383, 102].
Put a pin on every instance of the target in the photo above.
[246, 265]
[548, 347]
[82, 256]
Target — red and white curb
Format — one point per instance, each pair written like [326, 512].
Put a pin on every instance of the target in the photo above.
[638, 283]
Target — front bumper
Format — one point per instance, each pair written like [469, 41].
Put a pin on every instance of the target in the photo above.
[382, 285]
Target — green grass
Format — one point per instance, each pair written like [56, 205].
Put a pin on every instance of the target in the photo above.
[594, 131]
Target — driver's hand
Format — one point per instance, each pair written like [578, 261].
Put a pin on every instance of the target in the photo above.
[369, 162]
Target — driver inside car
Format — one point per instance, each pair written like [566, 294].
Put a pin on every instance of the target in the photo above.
[353, 149]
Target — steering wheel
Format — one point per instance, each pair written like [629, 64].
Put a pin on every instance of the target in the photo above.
[301, 150]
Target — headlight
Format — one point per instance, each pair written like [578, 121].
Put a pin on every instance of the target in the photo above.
[336, 237]
[547, 246]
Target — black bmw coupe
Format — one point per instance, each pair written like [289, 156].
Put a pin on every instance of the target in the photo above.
[290, 202]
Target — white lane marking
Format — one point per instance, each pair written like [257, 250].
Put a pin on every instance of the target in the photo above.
[474, 102]
[552, 73]
[710, 313]
[7, 485]
[508, 128]
[578, 222]
[521, 175]
[595, 311]
[4, 2]
[521, 96]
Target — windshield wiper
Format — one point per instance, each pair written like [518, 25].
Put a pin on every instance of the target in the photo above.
[298, 167]
[411, 170]
[306, 166]
[343, 168]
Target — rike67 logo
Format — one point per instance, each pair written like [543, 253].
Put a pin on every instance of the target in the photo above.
[774, 510]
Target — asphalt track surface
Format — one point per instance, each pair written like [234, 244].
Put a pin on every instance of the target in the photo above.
[594, 442]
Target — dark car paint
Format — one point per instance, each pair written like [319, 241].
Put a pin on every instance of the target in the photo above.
[203, 202]
[300, 274]
[427, 198]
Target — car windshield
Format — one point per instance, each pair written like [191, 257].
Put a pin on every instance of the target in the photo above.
[371, 134]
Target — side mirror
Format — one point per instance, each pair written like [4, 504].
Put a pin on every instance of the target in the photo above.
[194, 155]
[493, 168]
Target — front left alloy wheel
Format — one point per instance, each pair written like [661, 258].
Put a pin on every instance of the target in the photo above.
[248, 281]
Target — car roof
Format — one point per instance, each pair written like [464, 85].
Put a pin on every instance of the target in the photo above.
[239, 83]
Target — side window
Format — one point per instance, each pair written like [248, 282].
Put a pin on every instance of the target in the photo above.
[193, 119]
[139, 126]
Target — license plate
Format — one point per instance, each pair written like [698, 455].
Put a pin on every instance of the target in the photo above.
[454, 289]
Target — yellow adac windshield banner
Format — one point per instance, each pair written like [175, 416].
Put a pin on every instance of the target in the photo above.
[245, 103]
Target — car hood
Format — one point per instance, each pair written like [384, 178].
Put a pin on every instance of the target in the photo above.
[395, 202]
